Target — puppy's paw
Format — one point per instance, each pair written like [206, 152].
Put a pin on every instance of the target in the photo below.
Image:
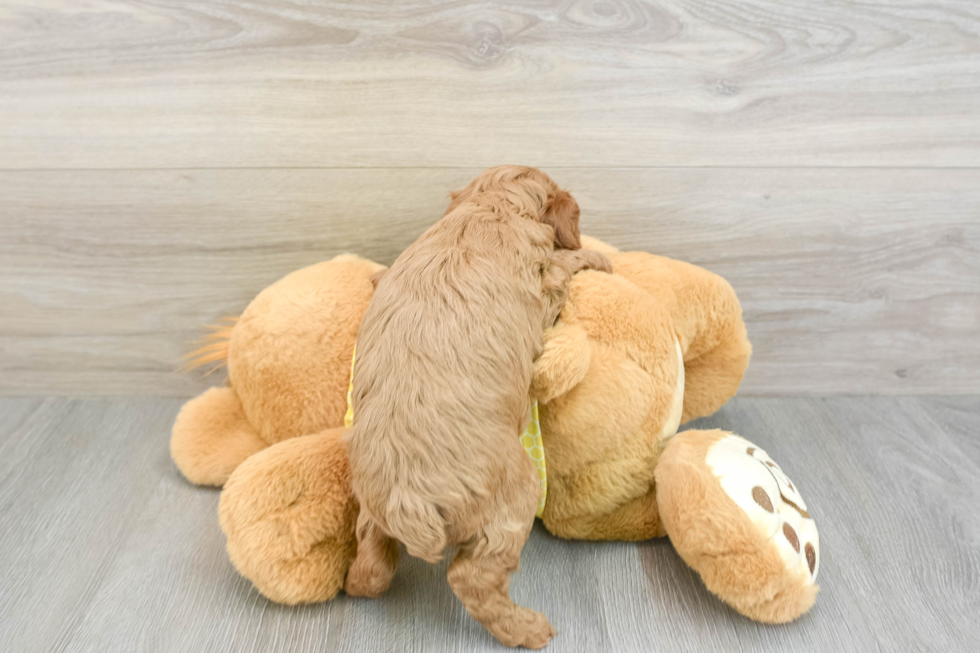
[366, 587]
[527, 628]
[368, 580]
[592, 260]
[539, 631]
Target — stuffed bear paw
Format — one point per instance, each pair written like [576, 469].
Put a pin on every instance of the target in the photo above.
[736, 518]
[768, 497]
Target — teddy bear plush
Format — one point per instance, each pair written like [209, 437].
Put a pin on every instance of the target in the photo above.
[633, 355]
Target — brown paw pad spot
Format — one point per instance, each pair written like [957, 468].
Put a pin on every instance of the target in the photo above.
[811, 556]
[803, 513]
[760, 497]
[791, 537]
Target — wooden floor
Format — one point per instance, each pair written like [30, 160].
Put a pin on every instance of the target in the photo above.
[161, 162]
[104, 546]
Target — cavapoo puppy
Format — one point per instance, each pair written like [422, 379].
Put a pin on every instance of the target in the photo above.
[441, 392]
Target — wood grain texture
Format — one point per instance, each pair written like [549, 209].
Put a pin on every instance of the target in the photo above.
[161, 162]
[852, 281]
[127, 83]
[105, 548]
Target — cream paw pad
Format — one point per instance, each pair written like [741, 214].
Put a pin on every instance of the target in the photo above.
[758, 486]
[736, 518]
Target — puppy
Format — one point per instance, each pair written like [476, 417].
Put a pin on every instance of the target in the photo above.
[441, 392]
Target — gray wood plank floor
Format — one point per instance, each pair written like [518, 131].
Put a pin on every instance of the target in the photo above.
[104, 547]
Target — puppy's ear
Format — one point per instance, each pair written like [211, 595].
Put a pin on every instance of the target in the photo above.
[562, 214]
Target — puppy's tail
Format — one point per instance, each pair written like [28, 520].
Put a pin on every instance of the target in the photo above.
[417, 524]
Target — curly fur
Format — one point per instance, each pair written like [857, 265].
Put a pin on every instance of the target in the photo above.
[441, 391]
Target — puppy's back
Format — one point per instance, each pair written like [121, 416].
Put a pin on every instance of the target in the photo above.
[442, 374]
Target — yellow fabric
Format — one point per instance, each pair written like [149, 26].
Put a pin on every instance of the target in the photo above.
[530, 439]
[534, 446]
[349, 417]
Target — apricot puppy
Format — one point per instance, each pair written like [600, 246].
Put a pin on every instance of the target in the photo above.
[441, 392]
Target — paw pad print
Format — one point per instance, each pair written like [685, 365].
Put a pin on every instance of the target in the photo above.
[759, 487]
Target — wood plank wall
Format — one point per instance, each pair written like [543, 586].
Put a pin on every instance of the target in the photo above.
[161, 162]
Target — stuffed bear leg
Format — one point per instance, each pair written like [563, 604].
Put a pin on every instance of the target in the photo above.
[289, 516]
[737, 520]
[712, 378]
[707, 319]
[634, 521]
[211, 437]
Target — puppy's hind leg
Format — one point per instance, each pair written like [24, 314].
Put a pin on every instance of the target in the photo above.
[480, 578]
[377, 557]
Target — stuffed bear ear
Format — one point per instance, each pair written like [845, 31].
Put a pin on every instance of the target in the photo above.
[596, 245]
[563, 362]
[562, 213]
